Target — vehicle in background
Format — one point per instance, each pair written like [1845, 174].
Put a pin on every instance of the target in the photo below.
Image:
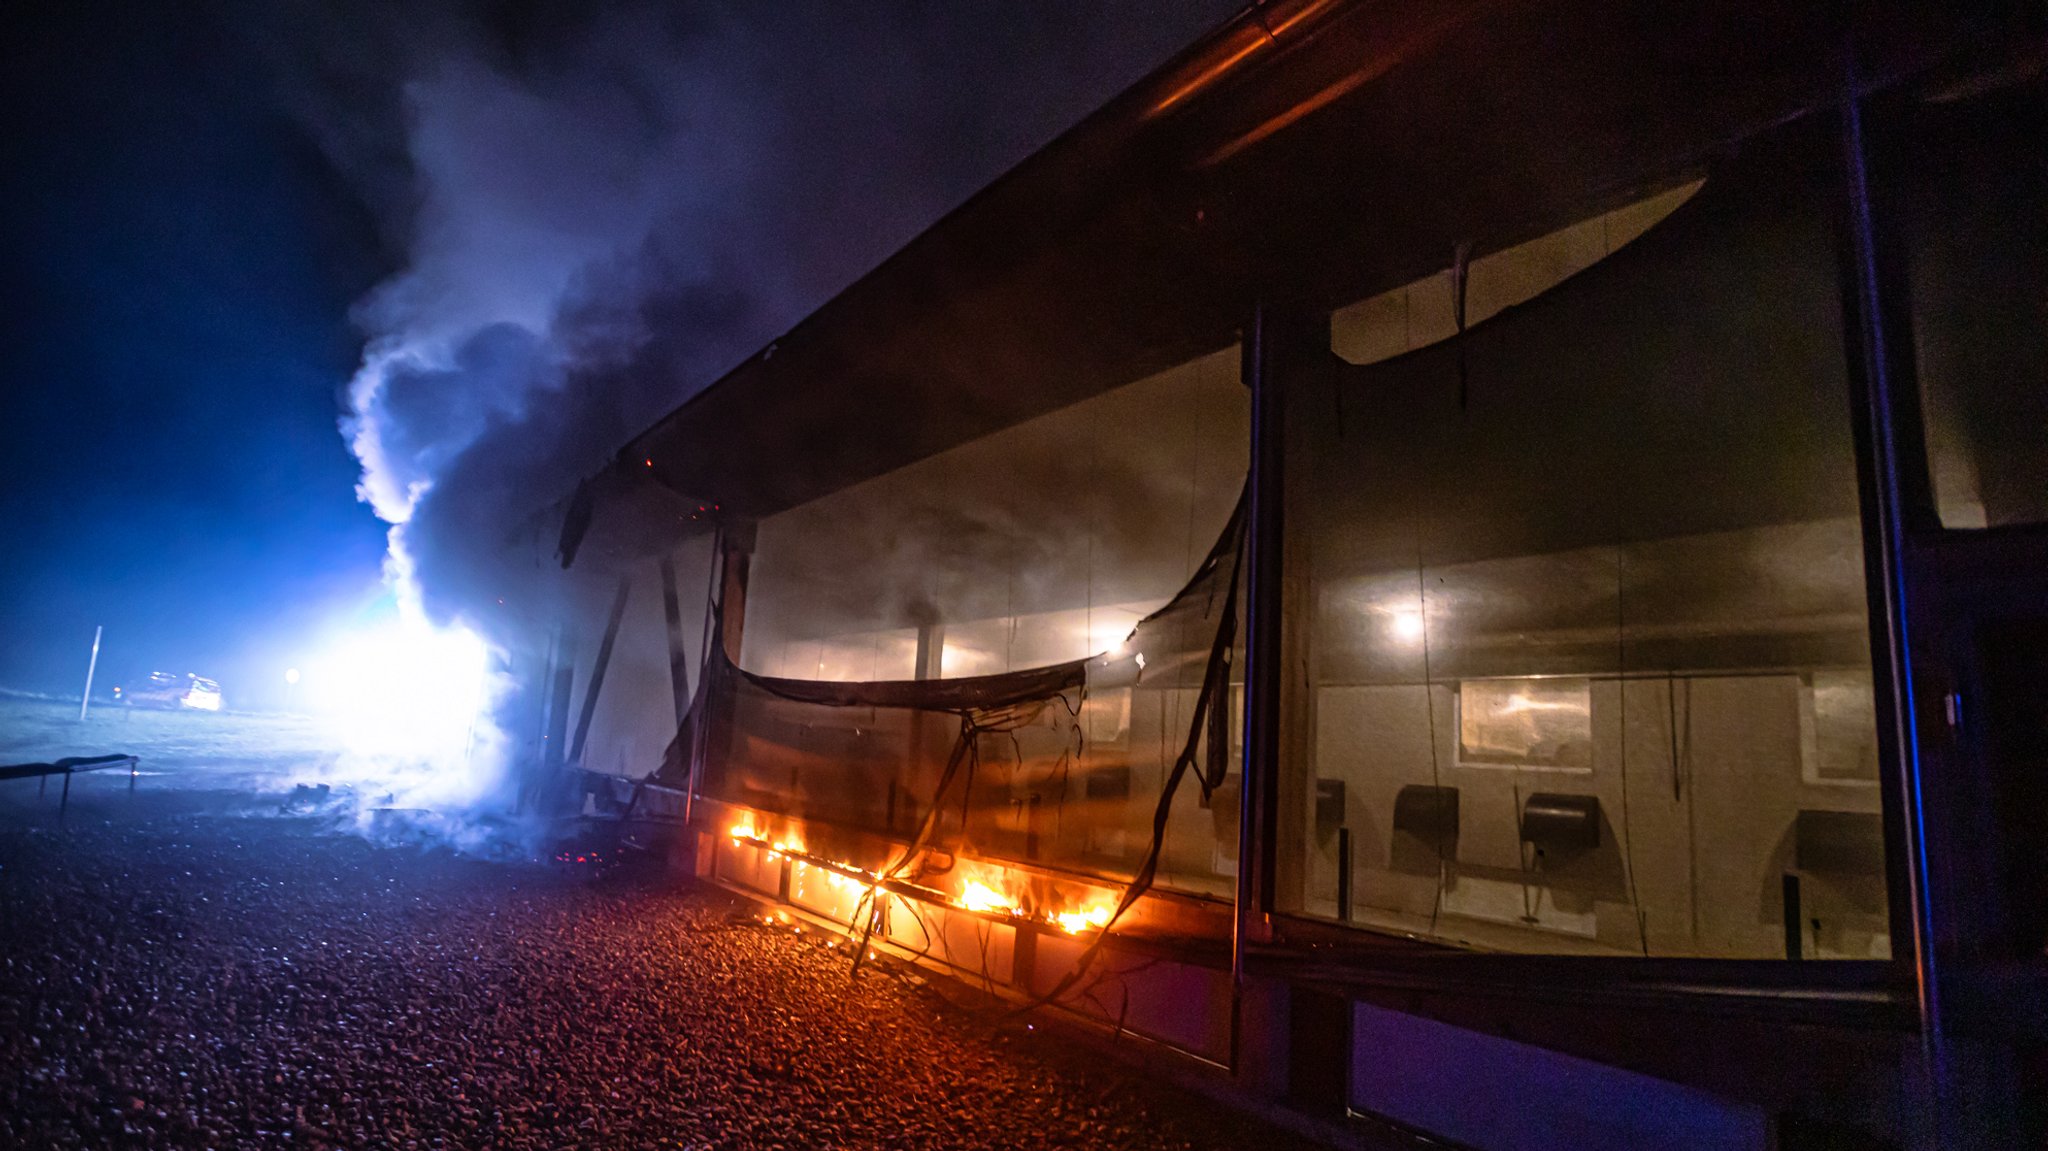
[167, 690]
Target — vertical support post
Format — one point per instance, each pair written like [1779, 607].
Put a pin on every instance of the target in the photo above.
[731, 552]
[1268, 351]
[604, 660]
[706, 676]
[1024, 961]
[1283, 350]
[737, 557]
[931, 651]
[1894, 497]
[1870, 366]
[555, 707]
[538, 715]
[678, 658]
[1344, 874]
[931, 654]
[64, 801]
[1795, 933]
[91, 666]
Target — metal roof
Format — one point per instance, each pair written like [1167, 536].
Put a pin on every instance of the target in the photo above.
[1308, 151]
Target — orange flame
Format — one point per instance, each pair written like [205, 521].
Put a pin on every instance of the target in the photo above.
[985, 887]
[1075, 922]
[979, 896]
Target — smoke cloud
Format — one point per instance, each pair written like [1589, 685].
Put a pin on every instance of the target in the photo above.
[601, 213]
[595, 213]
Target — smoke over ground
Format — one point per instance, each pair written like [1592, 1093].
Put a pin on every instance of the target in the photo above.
[597, 212]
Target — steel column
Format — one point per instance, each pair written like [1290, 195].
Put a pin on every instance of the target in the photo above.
[604, 660]
[1870, 365]
[1264, 356]
[678, 657]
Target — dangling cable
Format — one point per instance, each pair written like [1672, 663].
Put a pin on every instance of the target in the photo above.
[1671, 729]
[1215, 683]
[1436, 780]
[1460, 267]
[1628, 832]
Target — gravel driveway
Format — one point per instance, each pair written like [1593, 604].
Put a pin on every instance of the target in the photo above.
[188, 969]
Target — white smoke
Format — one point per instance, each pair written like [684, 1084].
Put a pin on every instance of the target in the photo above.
[599, 215]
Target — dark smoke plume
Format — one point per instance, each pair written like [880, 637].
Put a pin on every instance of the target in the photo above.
[601, 212]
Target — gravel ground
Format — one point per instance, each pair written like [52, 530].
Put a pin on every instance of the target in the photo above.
[190, 969]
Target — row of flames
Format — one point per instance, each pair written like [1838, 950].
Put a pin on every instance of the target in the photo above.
[980, 885]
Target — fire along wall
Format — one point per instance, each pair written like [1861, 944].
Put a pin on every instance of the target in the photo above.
[1043, 543]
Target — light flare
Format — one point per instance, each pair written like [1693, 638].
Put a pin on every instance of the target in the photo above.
[408, 703]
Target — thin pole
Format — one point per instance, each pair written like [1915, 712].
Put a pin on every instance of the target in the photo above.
[91, 666]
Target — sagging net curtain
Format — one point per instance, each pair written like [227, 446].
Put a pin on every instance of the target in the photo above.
[1077, 766]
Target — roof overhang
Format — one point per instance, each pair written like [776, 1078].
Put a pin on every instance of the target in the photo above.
[1308, 152]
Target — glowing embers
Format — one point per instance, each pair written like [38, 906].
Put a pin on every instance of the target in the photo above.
[842, 890]
[979, 896]
[1075, 922]
[992, 889]
[833, 893]
[790, 845]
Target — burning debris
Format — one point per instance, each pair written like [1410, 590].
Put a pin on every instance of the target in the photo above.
[983, 888]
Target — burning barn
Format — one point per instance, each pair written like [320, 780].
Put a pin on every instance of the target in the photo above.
[1427, 553]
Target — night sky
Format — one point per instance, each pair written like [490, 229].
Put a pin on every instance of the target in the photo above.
[215, 211]
[180, 261]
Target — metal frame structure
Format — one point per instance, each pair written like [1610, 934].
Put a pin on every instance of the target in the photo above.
[1202, 205]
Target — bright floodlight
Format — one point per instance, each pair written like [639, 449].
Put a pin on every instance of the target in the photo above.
[408, 703]
[1407, 626]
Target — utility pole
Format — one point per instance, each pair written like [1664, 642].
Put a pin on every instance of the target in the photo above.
[91, 665]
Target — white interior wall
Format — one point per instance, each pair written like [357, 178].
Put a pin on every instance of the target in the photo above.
[1706, 851]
